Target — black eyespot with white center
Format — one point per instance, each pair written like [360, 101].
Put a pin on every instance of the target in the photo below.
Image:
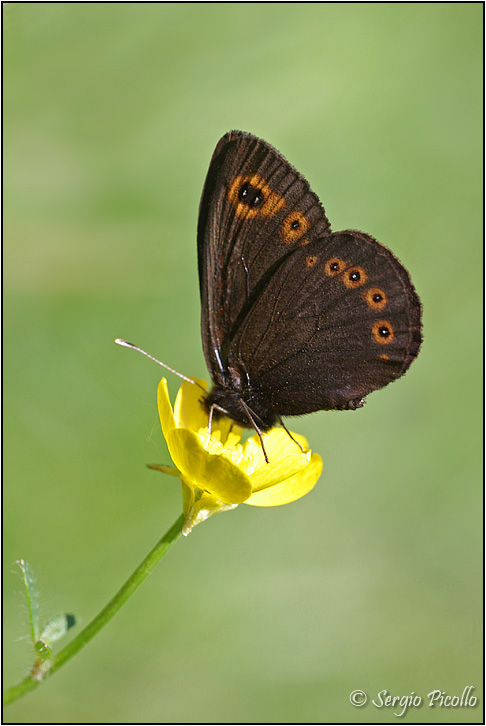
[354, 277]
[382, 331]
[375, 298]
[250, 196]
[334, 266]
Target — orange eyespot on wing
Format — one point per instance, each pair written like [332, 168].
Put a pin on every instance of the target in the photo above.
[311, 260]
[375, 298]
[334, 266]
[383, 332]
[294, 226]
[252, 197]
[354, 277]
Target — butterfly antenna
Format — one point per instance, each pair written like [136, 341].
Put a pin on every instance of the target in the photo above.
[126, 344]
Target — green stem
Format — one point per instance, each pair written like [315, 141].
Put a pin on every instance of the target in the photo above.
[126, 591]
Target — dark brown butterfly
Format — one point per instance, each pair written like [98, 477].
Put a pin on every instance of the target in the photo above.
[295, 318]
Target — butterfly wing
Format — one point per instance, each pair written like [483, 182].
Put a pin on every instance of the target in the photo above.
[255, 210]
[336, 320]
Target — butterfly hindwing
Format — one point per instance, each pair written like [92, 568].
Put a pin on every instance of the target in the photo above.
[337, 320]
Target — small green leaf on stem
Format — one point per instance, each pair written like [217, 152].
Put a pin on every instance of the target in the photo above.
[32, 599]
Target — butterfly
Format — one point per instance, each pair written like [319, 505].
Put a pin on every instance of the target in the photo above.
[295, 318]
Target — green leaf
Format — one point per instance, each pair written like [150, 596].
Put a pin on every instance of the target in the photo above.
[56, 628]
[32, 599]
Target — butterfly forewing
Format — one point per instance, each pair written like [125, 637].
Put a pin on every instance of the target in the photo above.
[254, 210]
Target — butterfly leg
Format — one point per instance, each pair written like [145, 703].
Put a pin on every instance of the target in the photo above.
[286, 429]
[253, 423]
[210, 421]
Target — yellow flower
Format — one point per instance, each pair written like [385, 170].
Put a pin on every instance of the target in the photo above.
[220, 472]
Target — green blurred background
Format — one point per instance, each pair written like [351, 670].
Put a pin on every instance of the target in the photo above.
[372, 581]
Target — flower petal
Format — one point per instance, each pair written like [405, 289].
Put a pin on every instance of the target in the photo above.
[290, 489]
[167, 420]
[188, 411]
[268, 475]
[277, 444]
[172, 470]
[213, 473]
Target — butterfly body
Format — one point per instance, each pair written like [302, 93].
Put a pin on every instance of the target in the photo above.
[295, 318]
[229, 398]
